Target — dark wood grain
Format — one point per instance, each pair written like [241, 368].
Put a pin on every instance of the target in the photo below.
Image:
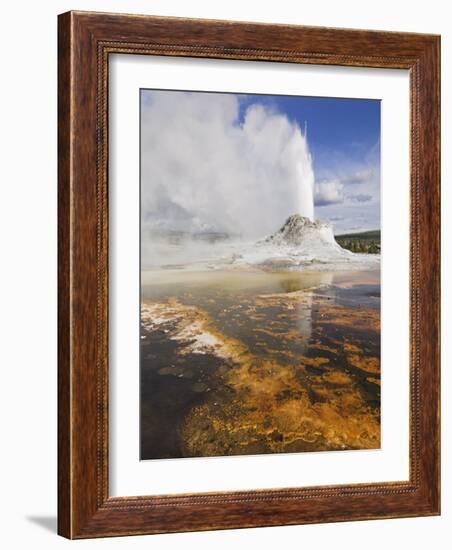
[64, 296]
[85, 42]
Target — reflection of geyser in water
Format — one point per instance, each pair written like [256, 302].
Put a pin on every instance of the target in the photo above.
[304, 320]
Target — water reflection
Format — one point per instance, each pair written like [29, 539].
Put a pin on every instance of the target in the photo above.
[255, 362]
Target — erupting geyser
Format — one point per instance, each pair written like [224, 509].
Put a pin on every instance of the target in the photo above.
[208, 168]
[305, 173]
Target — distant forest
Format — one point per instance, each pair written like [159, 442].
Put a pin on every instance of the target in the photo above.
[367, 242]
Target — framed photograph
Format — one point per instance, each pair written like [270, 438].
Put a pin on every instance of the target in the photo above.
[249, 260]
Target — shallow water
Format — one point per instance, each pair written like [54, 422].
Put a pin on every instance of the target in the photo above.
[250, 362]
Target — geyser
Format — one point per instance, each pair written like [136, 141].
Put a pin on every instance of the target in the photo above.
[305, 172]
[209, 167]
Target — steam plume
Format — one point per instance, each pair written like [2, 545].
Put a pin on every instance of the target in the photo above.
[207, 167]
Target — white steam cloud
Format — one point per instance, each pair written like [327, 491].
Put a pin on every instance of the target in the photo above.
[204, 169]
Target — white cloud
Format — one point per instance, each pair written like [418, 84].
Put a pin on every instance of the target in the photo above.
[361, 197]
[354, 200]
[329, 192]
[359, 176]
[203, 170]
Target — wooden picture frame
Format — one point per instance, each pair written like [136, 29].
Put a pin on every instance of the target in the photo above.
[85, 42]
